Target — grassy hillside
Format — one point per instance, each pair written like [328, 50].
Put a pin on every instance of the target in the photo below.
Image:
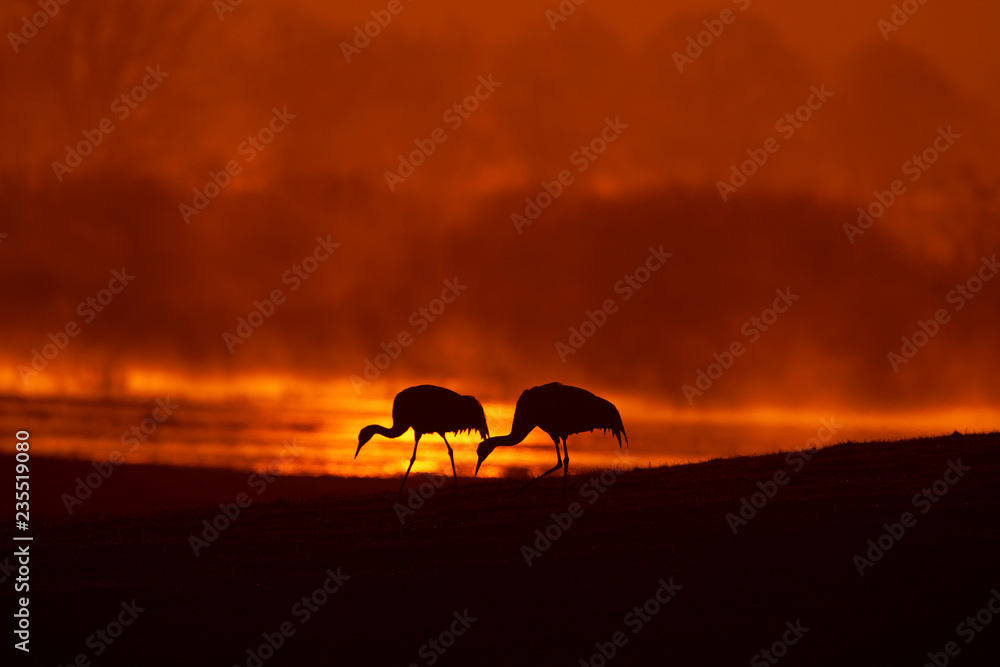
[460, 563]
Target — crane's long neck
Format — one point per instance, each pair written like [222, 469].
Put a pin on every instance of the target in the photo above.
[518, 432]
[394, 432]
[367, 432]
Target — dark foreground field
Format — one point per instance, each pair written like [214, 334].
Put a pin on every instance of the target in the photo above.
[459, 556]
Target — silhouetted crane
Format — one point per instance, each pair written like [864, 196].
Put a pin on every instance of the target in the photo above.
[560, 411]
[429, 409]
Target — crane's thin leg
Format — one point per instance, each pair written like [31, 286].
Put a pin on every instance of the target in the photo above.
[559, 464]
[451, 456]
[412, 459]
[565, 469]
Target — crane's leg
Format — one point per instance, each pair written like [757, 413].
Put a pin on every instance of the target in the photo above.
[451, 456]
[559, 464]
[565, 469]
[412, 459]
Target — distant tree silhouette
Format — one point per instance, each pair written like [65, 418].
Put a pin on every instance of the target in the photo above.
[560, 411]
[427, 408]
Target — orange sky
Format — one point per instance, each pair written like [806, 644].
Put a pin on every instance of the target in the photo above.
[327, 132]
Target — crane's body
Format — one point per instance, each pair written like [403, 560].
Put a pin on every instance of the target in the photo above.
[426, 409]
[561, 411]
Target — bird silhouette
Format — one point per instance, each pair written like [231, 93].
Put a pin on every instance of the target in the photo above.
[560, 411]
[429, 409]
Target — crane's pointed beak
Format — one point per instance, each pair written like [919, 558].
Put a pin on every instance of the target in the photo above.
[357, 452]
[478, 463]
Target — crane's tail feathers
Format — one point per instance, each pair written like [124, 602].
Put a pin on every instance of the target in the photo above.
[618, 432]
[484, 431]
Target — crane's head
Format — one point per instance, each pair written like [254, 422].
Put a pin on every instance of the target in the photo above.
[485, 448]
[364, 436]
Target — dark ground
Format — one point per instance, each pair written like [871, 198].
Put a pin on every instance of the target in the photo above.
[462, 551]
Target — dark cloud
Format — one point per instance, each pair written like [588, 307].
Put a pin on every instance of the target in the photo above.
[323, 176]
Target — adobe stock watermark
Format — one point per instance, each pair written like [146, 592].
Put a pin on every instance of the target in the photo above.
[591, 491]
[86, 486]
[302, 611]
[968, 630]
[106, 636]
[581, 158]
[714, 28]
[223, 7]
[454, 116]
[959, 297]
[786, 126]
[779, 648]
[381, 18]
[923, 501]
[563, 11]
[434, 648]
[914, 168]
[88, 310]
[294, 276]
[629, 284]
[230, 512]
[38, 20]
[418, 497]
[750, 506]
[122, 106]
[248, 149]
[420, 320]
[900, 14]
[635, 620]
[752, 329]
